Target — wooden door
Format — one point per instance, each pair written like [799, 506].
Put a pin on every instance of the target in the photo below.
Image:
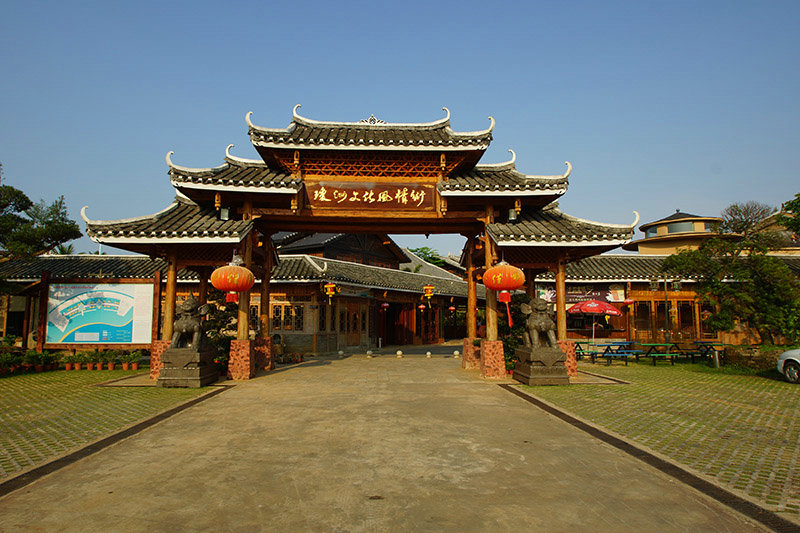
[353, 323]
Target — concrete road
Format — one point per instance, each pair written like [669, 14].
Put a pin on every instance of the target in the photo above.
[357, 444]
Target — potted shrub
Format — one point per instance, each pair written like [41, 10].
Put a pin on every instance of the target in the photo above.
[46, 360]
[81, 357]
[137, 355]
[110, 358]
[128, 358]
[68, 358]
[31, 361]
[99, 359]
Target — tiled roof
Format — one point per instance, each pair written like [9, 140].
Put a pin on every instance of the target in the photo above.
[386, 278]
[550, 227]
[678, 215]
[243, 175]
[612, 268]
[504, 178]
[420, 266]
[307, 133]
[182, 221]
[297, 268]
[314, 240]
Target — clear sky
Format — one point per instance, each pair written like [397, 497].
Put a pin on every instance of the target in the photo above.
[689, 105]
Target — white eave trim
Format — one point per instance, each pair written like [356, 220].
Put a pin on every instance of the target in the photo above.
[619, 242]
[169, 240]
[233, 188]
[375, 146]
[522, 192]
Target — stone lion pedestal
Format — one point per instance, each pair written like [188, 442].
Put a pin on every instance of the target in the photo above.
[541, 366]
[187, 367]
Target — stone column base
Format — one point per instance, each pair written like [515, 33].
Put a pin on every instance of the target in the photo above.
[493, 361]
[263, 354]
[471, 357]
[568, 347]
[242, 360]
[157, 348]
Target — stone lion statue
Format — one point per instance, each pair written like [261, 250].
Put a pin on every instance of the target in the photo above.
[188, 328]
[539, 321]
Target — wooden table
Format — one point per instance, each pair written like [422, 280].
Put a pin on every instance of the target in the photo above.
[661, 349]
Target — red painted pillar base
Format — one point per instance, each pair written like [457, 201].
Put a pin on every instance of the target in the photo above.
[493, 362]
[471, 357]
[568, 347]
[157, 348]
[263, 354]
[242, 360]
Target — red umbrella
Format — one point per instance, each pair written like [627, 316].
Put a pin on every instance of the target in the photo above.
[594, 307]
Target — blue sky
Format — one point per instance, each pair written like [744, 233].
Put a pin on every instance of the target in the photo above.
[658, 105]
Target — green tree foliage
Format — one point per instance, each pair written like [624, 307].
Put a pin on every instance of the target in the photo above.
[28, 229]
[790, 215]
[428, 254]
[742, 282]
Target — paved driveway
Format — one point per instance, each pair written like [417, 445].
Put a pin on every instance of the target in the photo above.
[357, 444]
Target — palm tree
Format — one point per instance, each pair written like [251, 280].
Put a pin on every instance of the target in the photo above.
[64, 249]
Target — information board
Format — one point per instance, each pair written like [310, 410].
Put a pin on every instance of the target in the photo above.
[99, 313]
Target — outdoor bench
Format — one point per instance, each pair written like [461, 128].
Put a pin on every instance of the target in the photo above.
[624, 354]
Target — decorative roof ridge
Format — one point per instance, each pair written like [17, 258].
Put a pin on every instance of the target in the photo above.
[505, 165]
[175, 203]
[472, 133]
[191, 170]
[241, 161]
[436, 124]
[595, 223]
[563, 176]
[86, 255]
[407, 251]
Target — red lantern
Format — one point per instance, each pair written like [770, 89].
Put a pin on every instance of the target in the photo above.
[421, 307]
[385, 305]
[451, 308]
[628, 301]
[503, 277]
[232, 278]
[232, 297]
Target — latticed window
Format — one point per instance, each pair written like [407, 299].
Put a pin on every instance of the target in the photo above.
[298, 318]
[342, 322]
[277, 316]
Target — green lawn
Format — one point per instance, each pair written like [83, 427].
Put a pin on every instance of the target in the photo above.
[740, 429]
[45, 415]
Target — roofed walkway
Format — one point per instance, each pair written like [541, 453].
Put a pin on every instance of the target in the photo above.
[360, 444]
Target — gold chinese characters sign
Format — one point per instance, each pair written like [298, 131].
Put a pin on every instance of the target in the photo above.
[383, 196]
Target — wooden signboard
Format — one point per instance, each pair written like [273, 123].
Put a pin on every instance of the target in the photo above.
[372, 196]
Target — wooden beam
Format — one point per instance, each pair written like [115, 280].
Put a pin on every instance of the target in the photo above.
[263, 315]
[491, 296]
[42, 311]
[243, 316]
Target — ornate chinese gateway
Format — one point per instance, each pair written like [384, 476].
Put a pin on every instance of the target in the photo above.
[368, 177]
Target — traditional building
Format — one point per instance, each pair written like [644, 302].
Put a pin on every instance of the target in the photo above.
[367, 177]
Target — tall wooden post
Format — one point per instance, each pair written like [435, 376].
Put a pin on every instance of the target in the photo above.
[202, 291]
[263, 315]
[472, 291]
[171, 295]
[530, 279]
[243, 317]
[561, 298]
[491, 296]
[26, 322]
[41, 330]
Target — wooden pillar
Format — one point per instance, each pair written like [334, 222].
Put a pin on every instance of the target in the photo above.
[472, 292]
[491, 296]
[530, 279]
[4, 301]
[263, 315]
[243, 317]
[26, 322]
[171, 294]
[41, 321]
[202, 291]
[561, 298]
